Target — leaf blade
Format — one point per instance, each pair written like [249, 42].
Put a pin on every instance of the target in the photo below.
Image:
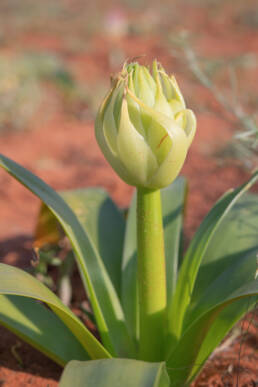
[30, 321]
[234, 238]
[105, 302]
[192, 260]
[17, 282]
[99, 217]
[182, 360]
[115, 373]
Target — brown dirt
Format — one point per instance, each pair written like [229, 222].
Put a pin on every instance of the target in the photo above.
[62, 150]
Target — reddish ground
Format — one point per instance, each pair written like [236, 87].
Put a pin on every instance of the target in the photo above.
[62, 150]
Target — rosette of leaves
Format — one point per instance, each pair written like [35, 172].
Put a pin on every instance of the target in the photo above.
[208, 290]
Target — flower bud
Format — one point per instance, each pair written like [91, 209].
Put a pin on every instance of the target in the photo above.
[143, 127]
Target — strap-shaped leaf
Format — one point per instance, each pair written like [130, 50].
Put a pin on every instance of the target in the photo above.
[115, 373]
[41, 328]
[173, 201]
[182, 360]
[100, 218]
[173, 198]
[240, 274]
[17, 282]
[223, 323]
[228, 264]
[102, 294]
[195, 253]
[129, 295]
[235, 237]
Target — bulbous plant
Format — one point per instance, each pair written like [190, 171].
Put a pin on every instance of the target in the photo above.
[159, 315]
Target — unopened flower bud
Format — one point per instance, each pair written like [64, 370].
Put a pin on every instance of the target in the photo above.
[143, 127]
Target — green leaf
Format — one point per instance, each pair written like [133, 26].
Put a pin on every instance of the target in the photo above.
[193, 258]
[129, 295]
[100, 218]
[104, 224]
[102, 294]
[173, 198]
[234, 238]
[41, 328]
[17, 282]
[241, 273]
[183, 358]
[115, 373]
[223, 323]
[234, 241]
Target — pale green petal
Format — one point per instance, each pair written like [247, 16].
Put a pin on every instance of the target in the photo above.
[112, 159]
[147, 90]
[109, 124]
[159, 141]
[105, 104]
[176, 106]
[155, 69]
[118, 102]
[177, 93]
[161, 104]
[155, 131]
[134, 110]
[186, 120]
[171, 89]
[149, 78]
[156, 134]
[172, 165]
[133, 150]
[168, 89]
[135, 77]
[131, 83]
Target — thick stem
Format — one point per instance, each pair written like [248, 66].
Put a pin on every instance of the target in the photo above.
[151, 274]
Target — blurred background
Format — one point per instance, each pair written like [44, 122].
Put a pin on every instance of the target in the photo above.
[56, 59]
[56, 56]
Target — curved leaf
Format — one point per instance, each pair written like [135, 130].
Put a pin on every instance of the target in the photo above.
[182, 360]
[235, 237]
[115, 373]
[228, 263]
[129, 294]
[242, 273]
[173, 201]
[100, 218]
[41, 328]
[223, 323]
[17, 282]
[103, 297]
[195, 253]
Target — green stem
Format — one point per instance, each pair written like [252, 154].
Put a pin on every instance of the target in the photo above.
[151, 274]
